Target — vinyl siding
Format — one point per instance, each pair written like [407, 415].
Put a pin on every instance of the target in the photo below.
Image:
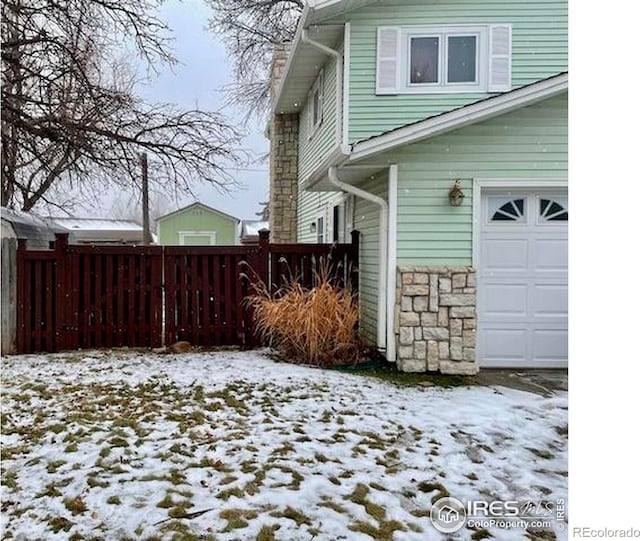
[310, 205]
[312, 151]
[366, 220]
[528, 143]
[197, 220]
[315, 145]
[539, 50]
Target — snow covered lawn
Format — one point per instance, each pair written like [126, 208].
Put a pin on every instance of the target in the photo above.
[232, 445]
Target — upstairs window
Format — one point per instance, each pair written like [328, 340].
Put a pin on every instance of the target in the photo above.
[444, 60]
[424, 60]
[462, 59]
[316, 99]
[440, 59]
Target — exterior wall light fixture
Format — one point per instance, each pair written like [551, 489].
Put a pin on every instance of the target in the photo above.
[456, 195]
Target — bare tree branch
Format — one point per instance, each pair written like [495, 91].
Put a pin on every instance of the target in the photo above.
[70, 114]
[251, 28]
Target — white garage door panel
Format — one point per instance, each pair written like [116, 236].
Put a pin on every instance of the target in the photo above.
[505, 346]
[506, 300]
[522, 279]
[504, 254]
[551, 254]
[550, 347]
[550, 300]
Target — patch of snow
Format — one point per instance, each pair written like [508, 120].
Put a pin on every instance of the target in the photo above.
[236, 430]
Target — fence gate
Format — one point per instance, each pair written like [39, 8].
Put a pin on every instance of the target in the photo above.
[204, 293]
[136, 296]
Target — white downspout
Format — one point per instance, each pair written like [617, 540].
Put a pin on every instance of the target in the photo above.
[328, 50]
[382, 251]
[391, 263]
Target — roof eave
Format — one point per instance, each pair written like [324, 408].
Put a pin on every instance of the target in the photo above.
[304, 16]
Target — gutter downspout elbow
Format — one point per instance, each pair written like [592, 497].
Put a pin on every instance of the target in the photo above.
[382, 249]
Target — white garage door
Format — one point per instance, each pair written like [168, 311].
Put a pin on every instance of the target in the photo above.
[522, 279]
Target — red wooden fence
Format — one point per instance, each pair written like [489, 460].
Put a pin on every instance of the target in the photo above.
[114, 296]
[204, 293]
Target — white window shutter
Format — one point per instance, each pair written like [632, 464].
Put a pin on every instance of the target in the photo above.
[500, 58]
[388, 61]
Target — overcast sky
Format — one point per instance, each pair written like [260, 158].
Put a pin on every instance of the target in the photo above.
[204, 69]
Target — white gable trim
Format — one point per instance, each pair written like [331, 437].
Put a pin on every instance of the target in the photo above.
[462, 116]
[202, 206]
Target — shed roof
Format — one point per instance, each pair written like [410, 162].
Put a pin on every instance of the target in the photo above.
[100, 230]
[96, 224]
[30, 227]
[251, 228]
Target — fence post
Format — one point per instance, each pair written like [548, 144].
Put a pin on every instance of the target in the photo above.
[263, 257]
[257, 270]
[354, 266]
[62, 292]
[9, 299]
[21, 341]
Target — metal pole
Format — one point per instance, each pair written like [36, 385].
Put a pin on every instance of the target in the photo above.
[146, 232]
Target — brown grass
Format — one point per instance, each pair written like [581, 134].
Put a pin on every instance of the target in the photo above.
[314, 325]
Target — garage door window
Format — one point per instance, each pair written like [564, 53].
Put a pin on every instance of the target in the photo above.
[553, 210]
[504, 209]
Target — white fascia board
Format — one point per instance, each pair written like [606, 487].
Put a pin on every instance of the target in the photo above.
[302, 23]
[457, 118]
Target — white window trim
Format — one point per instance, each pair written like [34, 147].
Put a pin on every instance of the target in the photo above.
[348, 200]
[317, 85]
[516, 183]
[443, 32]
[321, 214]
[210, 234]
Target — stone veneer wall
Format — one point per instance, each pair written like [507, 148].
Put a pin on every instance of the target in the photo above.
[283, 161]
[436, 319]
[283, 182]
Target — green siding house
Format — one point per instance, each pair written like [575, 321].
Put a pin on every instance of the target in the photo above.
[198, 225]
[438, 129]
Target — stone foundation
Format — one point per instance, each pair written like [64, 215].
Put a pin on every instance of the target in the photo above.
[435, 320]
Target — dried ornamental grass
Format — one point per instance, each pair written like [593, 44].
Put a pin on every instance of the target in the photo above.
[315, 326]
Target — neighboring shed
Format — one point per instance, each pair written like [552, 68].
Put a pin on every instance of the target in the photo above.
[17, 225]
[198, 225]
[100, 230]
[23, 225]
[250, 229]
